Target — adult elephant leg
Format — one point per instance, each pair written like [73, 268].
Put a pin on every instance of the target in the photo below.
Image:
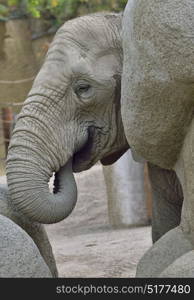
[125, 192]
[167, 197]
[178, 241]
[185, 171]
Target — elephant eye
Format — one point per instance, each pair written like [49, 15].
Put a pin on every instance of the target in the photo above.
[83, 89]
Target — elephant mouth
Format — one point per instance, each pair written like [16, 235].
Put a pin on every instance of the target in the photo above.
[82, 158]
[85, 158]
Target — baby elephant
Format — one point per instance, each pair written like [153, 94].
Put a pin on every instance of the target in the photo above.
[25, 250]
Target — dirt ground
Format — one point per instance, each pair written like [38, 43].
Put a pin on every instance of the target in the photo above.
[85, 245]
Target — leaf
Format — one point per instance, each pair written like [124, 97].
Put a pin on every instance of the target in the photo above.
[13, 2]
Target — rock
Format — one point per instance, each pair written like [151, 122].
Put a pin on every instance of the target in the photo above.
[19, 256]
[182, 267]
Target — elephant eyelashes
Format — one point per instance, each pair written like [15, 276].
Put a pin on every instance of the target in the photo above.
[83, 89]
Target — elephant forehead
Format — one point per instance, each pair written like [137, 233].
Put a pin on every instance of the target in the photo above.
[98, 65]
[70, 52]
[62, 60]
[68, 59]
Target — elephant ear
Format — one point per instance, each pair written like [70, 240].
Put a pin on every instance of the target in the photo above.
[113, 157]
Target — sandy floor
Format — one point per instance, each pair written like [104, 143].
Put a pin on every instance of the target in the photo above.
[86, 246]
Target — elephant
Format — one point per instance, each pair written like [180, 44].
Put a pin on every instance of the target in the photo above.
[37, 259]
[88, 104]
[67, 122]
[157, 97]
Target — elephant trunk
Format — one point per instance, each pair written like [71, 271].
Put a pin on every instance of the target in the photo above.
[33, 156]
[32, 197]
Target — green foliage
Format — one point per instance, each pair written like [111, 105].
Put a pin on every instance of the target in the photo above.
[3, 10]
[58, 10]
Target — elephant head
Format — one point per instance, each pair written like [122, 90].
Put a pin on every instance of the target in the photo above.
[70, 119]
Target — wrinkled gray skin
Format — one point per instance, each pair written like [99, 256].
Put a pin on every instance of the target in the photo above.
[157, 111]
[35, 230]
[72, 118]
[68, 120]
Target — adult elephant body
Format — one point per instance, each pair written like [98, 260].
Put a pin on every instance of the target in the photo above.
[158, 73]
[157, 112]
[75, 114]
